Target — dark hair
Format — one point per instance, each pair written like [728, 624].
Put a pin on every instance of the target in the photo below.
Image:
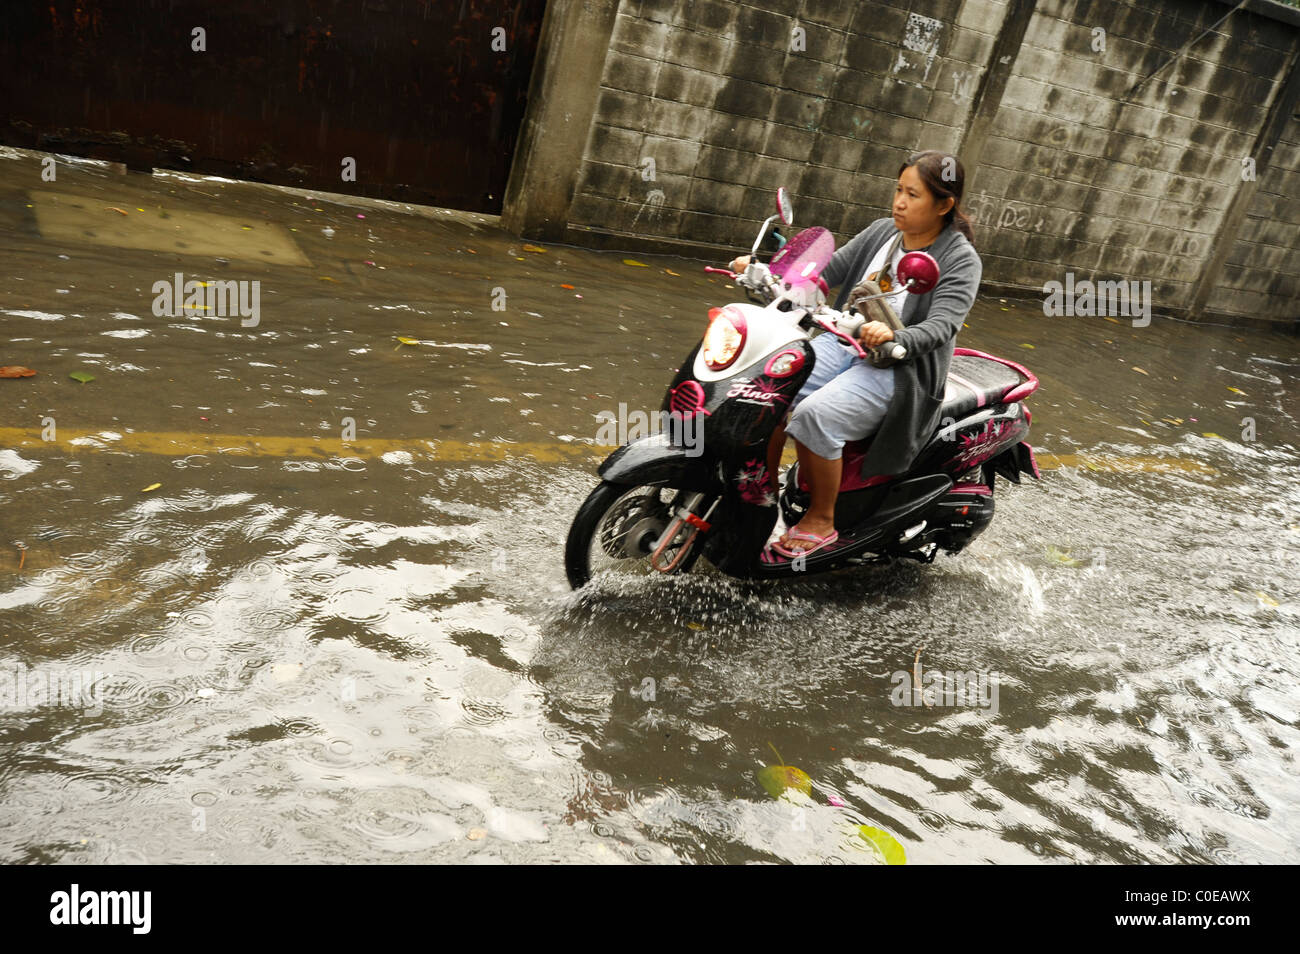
[944, 176]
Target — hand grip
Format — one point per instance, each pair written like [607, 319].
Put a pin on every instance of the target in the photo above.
[886, 354]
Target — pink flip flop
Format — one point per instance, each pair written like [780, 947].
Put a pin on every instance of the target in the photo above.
[818, 543]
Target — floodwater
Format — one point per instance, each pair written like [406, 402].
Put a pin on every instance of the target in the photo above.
[310, 645]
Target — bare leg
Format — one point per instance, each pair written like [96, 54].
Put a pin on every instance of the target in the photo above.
[823, 478]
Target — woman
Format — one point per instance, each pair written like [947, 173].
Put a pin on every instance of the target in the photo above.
[846, 398]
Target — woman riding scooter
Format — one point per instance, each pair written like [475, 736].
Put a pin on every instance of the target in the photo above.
[845, 399]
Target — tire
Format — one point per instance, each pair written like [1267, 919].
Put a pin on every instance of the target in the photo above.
[578, 546]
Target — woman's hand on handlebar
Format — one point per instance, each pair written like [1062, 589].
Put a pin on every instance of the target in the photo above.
[874, 333]
[740, 263]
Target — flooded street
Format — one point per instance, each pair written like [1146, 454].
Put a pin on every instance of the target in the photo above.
[339, 630]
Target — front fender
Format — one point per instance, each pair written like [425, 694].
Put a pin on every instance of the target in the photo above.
[653, 460]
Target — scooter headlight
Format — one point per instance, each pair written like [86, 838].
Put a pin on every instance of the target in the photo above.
[724, 339]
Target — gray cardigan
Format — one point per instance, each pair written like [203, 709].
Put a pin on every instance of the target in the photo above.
[930, 325]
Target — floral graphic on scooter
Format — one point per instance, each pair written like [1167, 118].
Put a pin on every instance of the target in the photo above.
[755, 484]
[977, 448]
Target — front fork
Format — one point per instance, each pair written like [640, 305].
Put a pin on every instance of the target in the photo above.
[686, 521]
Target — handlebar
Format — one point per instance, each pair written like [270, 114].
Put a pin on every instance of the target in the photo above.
[826, 325]
[897, 352]
[876, 354]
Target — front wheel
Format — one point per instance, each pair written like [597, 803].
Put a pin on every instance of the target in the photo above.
[617, 526]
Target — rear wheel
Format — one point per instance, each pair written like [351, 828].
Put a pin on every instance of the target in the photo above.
[616, 529]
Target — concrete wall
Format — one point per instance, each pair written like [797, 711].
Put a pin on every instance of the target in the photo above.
[1077, 158]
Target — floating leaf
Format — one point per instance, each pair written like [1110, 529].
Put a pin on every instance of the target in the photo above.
[1026, 345]
[533, 248]
[570, 287]
[781, 779]
[778, 779]
[145, 490]
[1109, 318]
[82, 376]
[113, 208]
[1266, 600]
[477, 834]
[633, 261]
[1210, 434]
[672, 273]
[326, 278]
[411, 341]
[1061, 557]
[1140, 371]
[15, 371]
[695, 625]
[1235, 390]
[885, 843]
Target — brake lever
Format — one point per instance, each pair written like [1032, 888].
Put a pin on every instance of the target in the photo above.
[828, 326]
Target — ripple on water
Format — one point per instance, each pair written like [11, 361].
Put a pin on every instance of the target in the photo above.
[716, 819]
[358, 605]
[656, 806]
[145, 531]
[28, 800]
[400, 820]
[192, 462]
[317, 580]
[269, 621]
[567, 782]
[299, 728]
[96, 788]
[482, 712]
[422, 720]
[151, 649]
[258, 830]
[333, 747]
[200, 620]
[401, 760]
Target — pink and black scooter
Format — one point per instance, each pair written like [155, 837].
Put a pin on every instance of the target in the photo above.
[700, 487]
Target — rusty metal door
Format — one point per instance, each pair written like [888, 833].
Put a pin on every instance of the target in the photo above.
[425, 96]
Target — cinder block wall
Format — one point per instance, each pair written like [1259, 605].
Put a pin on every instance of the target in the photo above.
[710, 91]
[1077, 177]
[706, 106]
[1262, 273]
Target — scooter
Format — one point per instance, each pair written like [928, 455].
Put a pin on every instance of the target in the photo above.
[700, 487]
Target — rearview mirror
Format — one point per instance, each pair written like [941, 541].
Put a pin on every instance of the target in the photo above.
[919, 272]
[784, 208]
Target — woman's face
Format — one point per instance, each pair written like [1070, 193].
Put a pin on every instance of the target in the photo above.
[914, 207]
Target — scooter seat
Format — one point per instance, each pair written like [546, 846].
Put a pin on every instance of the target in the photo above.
[975, 381]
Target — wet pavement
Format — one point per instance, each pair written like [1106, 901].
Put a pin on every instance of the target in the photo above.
[339, 628]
